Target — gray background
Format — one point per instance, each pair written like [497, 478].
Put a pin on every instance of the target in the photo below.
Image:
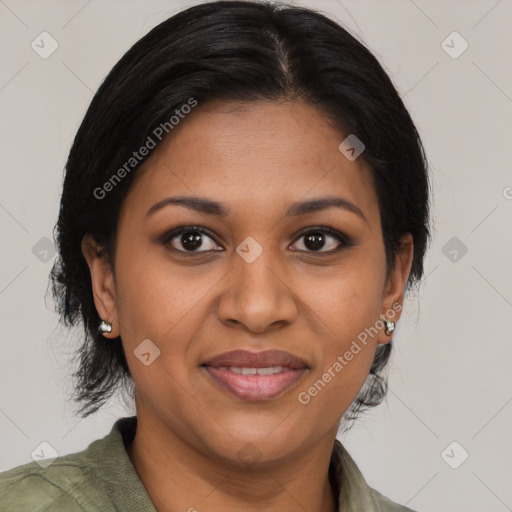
[450, 374]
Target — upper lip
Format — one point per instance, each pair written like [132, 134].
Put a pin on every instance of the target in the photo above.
[265, 359]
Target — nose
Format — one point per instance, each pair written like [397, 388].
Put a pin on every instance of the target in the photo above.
[257, 296]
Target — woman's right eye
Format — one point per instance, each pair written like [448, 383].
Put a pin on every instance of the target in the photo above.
[190, 240]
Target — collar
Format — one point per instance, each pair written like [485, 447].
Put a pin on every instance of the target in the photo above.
[354, 494]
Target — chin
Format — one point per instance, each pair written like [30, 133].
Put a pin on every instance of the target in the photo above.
[250, 447]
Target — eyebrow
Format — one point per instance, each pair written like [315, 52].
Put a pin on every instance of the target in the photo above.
[209, 207]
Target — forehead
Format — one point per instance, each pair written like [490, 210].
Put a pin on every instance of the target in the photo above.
[254, 156]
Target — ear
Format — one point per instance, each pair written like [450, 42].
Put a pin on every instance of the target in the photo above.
[103, 283]
[393, 298]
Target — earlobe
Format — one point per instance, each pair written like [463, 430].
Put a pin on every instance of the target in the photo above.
[395, 289]
[103, 286]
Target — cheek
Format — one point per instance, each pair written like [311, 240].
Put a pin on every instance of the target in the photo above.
[159, 302]
[348, 306]
[153, 295]
[143, 295]
[347, 299]
[347, 355]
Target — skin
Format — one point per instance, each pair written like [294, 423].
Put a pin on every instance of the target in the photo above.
[256, 159]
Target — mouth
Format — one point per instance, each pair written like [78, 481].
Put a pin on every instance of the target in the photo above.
[255, 376]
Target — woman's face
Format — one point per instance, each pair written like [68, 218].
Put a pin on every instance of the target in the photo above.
[252, 273]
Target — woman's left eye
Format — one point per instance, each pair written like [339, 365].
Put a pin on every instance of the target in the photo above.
[318, 239]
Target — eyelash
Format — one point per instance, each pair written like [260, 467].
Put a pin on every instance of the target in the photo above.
[343, 239]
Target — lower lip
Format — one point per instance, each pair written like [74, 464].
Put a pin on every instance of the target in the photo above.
[256, 387]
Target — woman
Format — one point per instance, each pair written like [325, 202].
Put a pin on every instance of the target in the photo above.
[244, 206]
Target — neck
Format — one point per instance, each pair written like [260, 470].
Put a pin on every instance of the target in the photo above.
[178, 477]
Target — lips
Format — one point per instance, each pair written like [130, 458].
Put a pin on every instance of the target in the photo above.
[244, 358]
[255, 376]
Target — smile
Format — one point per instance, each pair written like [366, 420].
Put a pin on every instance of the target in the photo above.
[255, 376]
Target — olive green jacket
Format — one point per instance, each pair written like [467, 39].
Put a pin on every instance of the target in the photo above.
[103, 479]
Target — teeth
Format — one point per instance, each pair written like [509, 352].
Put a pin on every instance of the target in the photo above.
[256, 371]
[269, 371]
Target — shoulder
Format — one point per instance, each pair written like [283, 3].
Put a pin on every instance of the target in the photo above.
[33, 488]
[354, 492]
[82, 481]
[383, 504]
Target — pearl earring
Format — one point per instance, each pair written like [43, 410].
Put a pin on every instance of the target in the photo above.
[389, 327]
[105, 327]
